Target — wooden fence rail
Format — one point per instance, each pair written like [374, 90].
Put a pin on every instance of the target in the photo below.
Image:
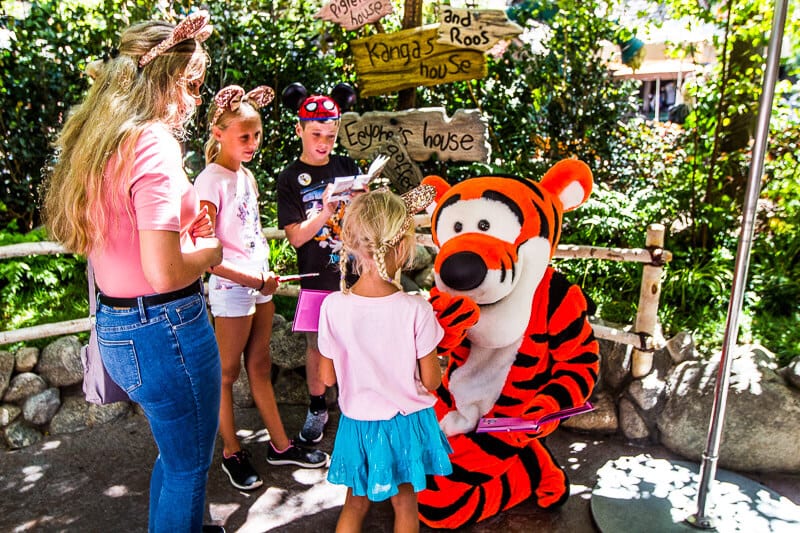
[642, 338]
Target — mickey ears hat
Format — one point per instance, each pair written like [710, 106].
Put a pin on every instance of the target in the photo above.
[318, 107]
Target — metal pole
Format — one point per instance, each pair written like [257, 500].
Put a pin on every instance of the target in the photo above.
[708, 467]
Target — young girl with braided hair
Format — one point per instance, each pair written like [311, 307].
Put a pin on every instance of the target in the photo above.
[241, 287]
[379, 343]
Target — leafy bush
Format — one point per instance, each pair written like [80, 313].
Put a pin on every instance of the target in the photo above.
[40, 288]
[543, 103]
[54, 38]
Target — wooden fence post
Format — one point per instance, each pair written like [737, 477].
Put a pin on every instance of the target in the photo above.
[649, 294]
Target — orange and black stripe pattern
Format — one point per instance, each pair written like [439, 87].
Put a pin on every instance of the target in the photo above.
[555, 366]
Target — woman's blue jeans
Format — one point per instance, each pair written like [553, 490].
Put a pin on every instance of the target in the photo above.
[166, 358]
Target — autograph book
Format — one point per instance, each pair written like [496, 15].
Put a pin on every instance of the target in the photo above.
[306, 315]
[344, 186]
[493, 425]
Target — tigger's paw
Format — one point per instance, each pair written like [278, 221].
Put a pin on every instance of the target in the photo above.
[553, 494]
[455, 423]
[456, 314]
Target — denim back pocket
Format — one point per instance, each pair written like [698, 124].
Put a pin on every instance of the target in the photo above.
[121, 362]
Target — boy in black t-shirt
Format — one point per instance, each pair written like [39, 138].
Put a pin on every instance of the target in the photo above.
[312, 225]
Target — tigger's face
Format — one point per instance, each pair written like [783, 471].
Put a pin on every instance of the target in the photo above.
[497, 234]
[488, 239]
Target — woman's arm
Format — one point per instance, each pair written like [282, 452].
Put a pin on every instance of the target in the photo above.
[430, 372]
[166, 267]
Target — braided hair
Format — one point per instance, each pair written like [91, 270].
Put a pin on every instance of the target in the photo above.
[376, 225]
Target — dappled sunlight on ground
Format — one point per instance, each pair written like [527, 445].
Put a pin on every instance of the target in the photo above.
[633, 487]
[277, 507]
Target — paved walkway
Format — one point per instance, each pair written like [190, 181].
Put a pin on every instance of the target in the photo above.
[96, 481]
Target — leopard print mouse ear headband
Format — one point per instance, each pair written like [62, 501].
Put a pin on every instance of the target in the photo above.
[229, 98]
[195, 26]
[416, 200]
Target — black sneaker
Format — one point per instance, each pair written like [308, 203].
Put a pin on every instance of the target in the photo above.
[314, 426]
[241, 473]
[297, 455]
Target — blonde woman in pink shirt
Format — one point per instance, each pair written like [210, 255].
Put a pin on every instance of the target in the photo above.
[118, 194]
[379, 343]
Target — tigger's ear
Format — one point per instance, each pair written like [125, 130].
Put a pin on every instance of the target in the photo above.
[438, 183]
[570, 180]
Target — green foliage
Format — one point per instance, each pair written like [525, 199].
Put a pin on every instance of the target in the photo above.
[54, 38]
[545, 100]
[40, 288]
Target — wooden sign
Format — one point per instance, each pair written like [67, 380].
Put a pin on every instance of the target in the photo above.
[403, 173]
[389, 62]
[352, 14]
[479, 29]
[423, 132]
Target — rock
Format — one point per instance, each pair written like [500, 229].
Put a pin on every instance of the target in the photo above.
[26, 358]
[792, 372]
[615, 364]
[60, 362]
[422, 258]
[8, 413]
[408, 284]
[18, 435]
[39, 408]
[6, 370]
[288, 349]
[290, 387]
[602, 420]
[631, 422]
[648, 391]
[424, 278]
[77, 414]
[242, 396]
[681, 347]
[761, 422]
[24, 385]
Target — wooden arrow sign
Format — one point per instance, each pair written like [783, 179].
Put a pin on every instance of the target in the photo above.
[426, 131]
[479, 29]
[352, 14]
[389, 62]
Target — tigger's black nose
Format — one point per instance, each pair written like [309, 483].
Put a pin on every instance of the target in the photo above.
[463, 271]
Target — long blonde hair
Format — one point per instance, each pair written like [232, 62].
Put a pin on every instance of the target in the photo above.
[121, 103]
[374, 226]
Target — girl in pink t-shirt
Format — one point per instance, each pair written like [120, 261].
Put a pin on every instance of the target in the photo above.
[379, 343]
[241, 287]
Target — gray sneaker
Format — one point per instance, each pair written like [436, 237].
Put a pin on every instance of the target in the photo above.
[297, 455]
[314, 426]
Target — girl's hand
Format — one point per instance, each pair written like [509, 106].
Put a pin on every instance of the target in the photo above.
[201, 226]
[270, 284]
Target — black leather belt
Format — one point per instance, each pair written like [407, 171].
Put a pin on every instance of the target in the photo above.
[153, 299]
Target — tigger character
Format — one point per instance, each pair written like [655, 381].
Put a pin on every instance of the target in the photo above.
[531, 352]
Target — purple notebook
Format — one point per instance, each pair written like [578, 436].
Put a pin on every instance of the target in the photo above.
[492, 425]
[306, 315]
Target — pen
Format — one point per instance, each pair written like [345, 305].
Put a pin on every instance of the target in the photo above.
[295, 277]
